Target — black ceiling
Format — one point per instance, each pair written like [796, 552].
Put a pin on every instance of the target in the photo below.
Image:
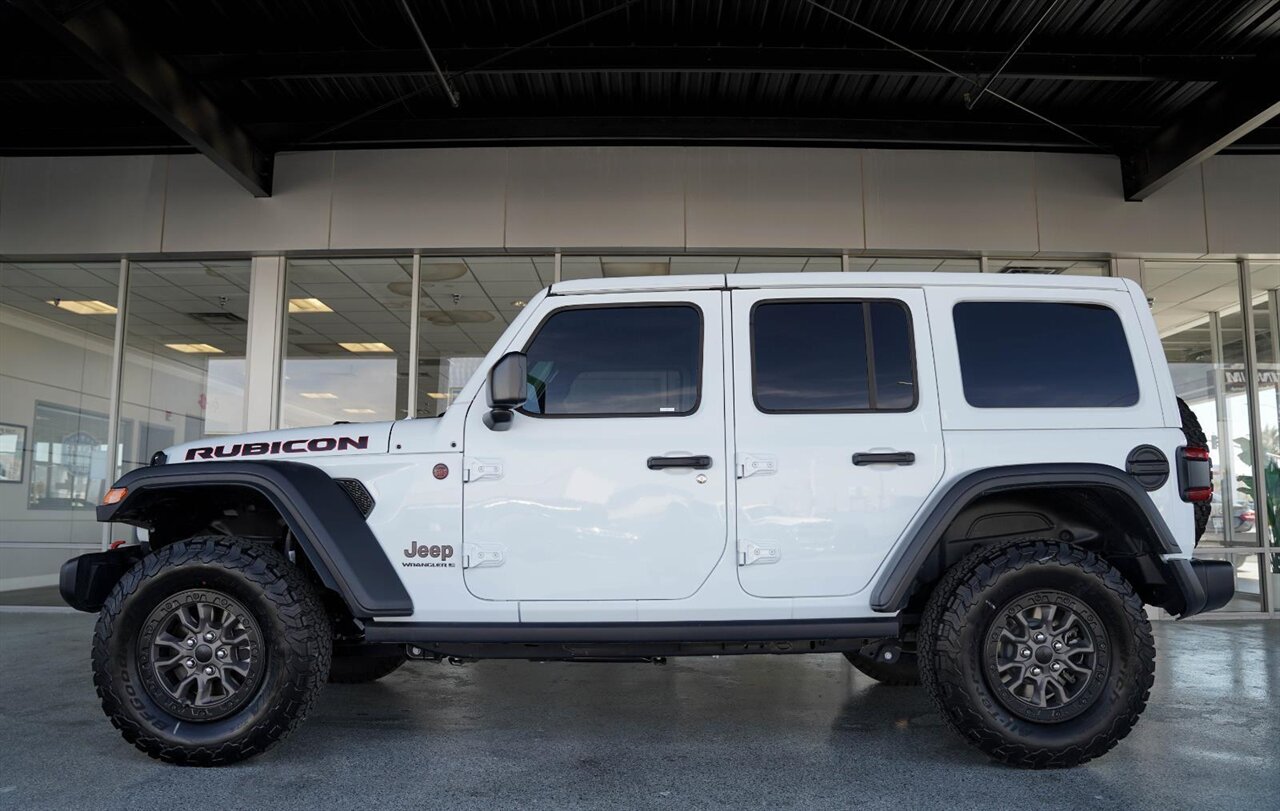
[1108, 75]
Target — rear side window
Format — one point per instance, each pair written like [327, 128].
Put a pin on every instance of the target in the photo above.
[816, 356]
[616, 361]
[1022, 354]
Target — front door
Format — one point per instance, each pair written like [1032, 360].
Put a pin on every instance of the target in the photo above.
[611, 482]
[839, 440]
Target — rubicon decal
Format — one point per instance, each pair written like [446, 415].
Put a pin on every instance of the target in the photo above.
[437, 555]
[316, 445]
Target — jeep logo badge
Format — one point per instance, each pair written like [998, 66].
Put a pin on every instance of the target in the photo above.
[436, 554]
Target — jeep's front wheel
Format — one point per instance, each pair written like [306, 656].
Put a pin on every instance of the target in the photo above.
[1038, 653]
[210, 650]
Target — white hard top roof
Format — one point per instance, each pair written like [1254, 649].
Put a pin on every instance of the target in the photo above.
[722, 281]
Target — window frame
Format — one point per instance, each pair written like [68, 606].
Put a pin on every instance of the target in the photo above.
[702, 353]
[870, 355]
[1124, 333]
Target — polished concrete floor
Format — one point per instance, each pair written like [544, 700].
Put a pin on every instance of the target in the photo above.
[749, 732]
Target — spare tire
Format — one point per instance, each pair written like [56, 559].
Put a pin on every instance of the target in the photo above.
[1195, 439]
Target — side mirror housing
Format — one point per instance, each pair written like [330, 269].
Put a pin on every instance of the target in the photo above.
[506, 390]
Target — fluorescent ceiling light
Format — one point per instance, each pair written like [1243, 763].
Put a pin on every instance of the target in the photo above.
[359, 411]
[89, 307]
[196, 349]
[319, 395]
[437, 395]
[365, 346]
[308, 305]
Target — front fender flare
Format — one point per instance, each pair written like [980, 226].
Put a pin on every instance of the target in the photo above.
[328, 527]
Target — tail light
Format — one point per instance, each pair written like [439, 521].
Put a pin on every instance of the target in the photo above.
[1195, 474]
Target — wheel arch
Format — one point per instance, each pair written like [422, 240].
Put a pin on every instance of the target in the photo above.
[1097, 507]
[329, 529]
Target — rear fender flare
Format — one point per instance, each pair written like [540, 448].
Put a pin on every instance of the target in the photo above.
[894, 585]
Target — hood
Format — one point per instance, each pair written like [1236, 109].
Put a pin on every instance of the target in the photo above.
[294, 443]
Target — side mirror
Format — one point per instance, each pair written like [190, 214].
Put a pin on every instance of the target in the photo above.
[506, 390]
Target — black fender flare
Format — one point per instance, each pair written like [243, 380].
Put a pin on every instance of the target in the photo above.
[327, 525]
[894, 585]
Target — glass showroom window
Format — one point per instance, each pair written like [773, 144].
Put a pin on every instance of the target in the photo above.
[1198, 313]
[466, 304]
[57, 327]
[184, 358]
[347, 341]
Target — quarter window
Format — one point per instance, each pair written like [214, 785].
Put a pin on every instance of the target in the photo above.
[616, 361]
[832, 356]
[1022, 354]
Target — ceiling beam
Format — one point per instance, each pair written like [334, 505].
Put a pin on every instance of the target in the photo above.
[1219, 118]
[642, 129]
[716, 59]
[97, 35]
[43, 135]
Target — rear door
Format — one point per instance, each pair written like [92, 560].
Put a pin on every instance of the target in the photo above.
[838, 435]
[612, 480]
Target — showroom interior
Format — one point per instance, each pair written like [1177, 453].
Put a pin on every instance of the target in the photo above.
[158, 284]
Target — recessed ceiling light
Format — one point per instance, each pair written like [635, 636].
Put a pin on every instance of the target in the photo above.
[365, 346]
[89, 307]
[359, 411]
[319, 395]
[518, 303]
[437, 395]
[196, 349]
[308, 305]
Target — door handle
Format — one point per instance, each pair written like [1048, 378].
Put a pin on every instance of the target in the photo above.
[891, 458]
[697, 462]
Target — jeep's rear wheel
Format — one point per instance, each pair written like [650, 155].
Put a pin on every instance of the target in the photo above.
[1037, 652]
[361, 668]
[210, 650]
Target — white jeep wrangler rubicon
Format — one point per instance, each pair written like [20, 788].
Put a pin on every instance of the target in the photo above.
[974, 482]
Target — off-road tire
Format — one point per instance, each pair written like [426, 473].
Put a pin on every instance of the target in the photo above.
[961, 614]
[905, 672]
[293, 631]
[1195, 439]
[359, 669]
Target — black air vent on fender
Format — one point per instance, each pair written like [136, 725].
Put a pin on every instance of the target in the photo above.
[1149, 466]
[359, 495]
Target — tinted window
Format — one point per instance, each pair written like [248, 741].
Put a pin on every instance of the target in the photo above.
[616, 360]
[1043, 355]
[813, 356]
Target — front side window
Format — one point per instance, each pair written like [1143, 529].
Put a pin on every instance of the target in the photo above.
[1023, 354]
[616, 361]
[815, 356]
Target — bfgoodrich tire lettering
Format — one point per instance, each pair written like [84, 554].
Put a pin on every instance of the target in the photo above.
[979, 592]
[293, 650]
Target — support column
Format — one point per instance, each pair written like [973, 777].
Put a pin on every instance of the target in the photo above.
[117, 381]
[1252, 393]
[415, 294]
[263, 355]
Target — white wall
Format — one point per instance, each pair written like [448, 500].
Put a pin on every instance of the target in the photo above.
[637, 198]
